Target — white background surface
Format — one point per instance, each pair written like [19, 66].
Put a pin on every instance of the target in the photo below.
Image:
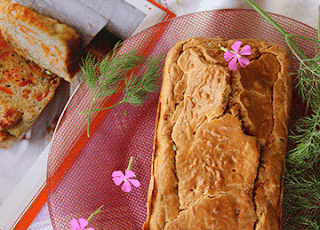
[305, 11]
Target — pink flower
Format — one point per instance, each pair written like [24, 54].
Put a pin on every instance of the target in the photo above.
[118, 178]
[79, 225]
[236, 55]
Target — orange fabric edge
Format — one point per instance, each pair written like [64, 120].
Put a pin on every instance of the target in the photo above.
[32, 211]
[171, 14]
[27, 218]
[82, 141]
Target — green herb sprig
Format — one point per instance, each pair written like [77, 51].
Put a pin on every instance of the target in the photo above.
[301, 179]
[305, 155]
[309, 69]
[117, 72]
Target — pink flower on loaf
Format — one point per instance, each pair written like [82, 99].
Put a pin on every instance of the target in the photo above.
[237, 55]
[79, 225]
[118, 177]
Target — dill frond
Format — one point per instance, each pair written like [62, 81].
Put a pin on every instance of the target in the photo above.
[106, 77]
[302, 189]
[138, 88]
[301, 181]
[302, 198]
[306, 154]
[308, 78]
[311, 224]
[114, 70]
[89, 72]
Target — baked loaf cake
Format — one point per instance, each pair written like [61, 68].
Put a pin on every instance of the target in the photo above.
[25, 90]
[220, 139]
[54, 46]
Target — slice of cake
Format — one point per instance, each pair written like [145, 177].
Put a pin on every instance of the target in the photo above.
[35, 53]
[25, 90]
[53, 45]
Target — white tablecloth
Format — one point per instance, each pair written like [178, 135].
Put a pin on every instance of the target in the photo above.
[305, 11]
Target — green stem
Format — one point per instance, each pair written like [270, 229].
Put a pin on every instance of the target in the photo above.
[280, 29]
[305, 38]
[94, 213]
[267, 17]
[89, 116]
[130, 163]
[223, 49]
[100, 109]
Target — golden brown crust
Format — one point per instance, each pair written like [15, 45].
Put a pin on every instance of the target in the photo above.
[51, 44]
[220, 139]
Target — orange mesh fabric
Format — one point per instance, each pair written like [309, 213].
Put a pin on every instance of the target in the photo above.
[80, 168]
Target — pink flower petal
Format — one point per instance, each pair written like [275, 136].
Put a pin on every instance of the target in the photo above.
[233, 64]
[126, 187]
[244, 62]
[75, 224]
[246, 50]
[118, 173]
[236, 46]
[130, 174]
[83, 223]
[134, 182]
[89, 228]
[117, 180]
[228, 55]
[118, 177]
